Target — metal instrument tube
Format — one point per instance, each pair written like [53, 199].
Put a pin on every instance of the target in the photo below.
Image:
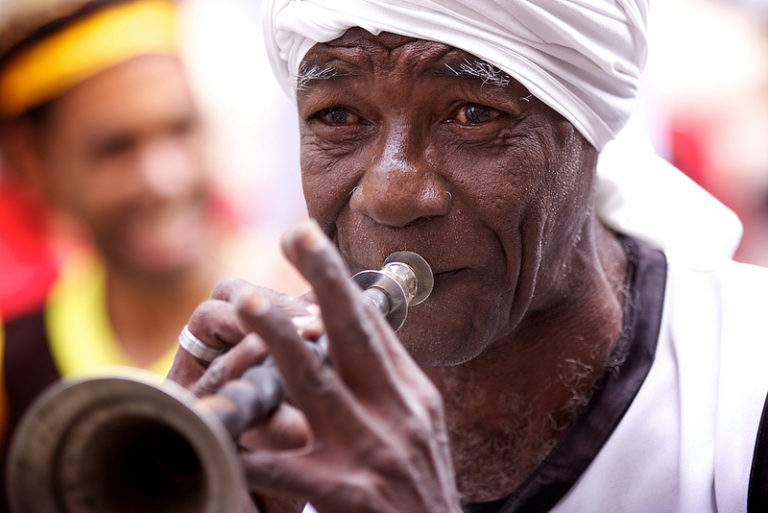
[246, 402]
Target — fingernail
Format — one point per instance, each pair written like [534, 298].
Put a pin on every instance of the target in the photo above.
[313, 236]
[308, 234]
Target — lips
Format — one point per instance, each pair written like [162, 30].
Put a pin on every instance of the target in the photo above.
[166, 238]
[446, 277]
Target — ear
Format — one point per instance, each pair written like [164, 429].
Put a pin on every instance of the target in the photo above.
[21, 144]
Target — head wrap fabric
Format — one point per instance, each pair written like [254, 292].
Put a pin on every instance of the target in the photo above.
[583, 58]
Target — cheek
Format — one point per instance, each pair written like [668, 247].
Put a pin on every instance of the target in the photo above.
[571, 182]
[105, 187]
[327, 186]
[79, 191]
[459, 322]
[99, 196]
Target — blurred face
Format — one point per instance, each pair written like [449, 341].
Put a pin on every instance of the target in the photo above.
[122, 152]
[404, 149]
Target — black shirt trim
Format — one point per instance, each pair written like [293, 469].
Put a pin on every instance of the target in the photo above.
[757, 494]
[612, 394]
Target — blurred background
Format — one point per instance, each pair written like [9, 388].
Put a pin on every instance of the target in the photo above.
[705, 99]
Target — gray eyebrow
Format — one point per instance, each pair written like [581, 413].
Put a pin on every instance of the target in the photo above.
[309, 73]
[477, 68]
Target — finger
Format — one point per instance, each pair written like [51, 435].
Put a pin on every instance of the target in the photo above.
[287, 428]
[356, 331]
[216, 324]
[310, 383]
[229, 287]
[303, 310]
[281, 505]
[295, 473]
[231, 365]
[186, 369]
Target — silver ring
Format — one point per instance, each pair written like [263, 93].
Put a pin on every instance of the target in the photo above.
[194, 346]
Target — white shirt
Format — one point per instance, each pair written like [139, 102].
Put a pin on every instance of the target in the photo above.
[686, 443]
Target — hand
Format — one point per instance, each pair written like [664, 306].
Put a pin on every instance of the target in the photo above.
[379, 442]
[216, 323]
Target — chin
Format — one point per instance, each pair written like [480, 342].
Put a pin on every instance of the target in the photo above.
[440, 345]
[159, 267]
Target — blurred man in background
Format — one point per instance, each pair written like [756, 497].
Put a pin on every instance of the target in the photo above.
[97, 116]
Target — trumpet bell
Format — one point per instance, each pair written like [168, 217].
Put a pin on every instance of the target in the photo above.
[122, 445]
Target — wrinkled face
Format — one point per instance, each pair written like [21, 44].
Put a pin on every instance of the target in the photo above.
[122, 152]
[404, 148]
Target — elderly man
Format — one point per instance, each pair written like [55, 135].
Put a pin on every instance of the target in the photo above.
[560, 363]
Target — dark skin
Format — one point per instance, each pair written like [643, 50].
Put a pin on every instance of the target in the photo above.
[495, 190]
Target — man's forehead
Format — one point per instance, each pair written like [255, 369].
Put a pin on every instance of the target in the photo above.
[359, 46]
[359, 50]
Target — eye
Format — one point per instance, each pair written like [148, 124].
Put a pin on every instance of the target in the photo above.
[337, 116]
[475, 114]
[183, 126]
[114, 146]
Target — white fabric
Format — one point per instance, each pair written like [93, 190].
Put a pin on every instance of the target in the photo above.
[686, 442]
[583, 58]
[642, 195]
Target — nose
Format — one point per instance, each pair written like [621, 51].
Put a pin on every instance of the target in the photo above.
[167, 169]
[401, 188]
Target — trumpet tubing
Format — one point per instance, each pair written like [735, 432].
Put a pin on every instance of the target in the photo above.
[122, 444]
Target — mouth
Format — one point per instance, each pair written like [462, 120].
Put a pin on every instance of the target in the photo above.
[356, 267]
[444, 278]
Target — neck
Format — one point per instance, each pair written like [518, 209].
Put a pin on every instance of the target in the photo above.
[148, 314]
[507, 408]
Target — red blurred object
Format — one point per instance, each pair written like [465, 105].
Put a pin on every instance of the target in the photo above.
[693, 143]
[28, 265]
[688, 140]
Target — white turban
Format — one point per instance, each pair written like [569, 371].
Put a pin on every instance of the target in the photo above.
[583, 58]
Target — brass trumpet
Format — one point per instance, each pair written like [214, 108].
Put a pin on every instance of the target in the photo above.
[129, 444]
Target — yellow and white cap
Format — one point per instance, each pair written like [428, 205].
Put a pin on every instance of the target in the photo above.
[48, 63]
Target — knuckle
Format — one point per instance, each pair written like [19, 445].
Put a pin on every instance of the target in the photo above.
[433, 402]
[212, 380]
[206, 311]
[418, 430]
[425, 396]
[356, 490]
[328, 269]
[253, 346]
[226, 287]
[319, 379]
[357, 326]
[211, 318]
